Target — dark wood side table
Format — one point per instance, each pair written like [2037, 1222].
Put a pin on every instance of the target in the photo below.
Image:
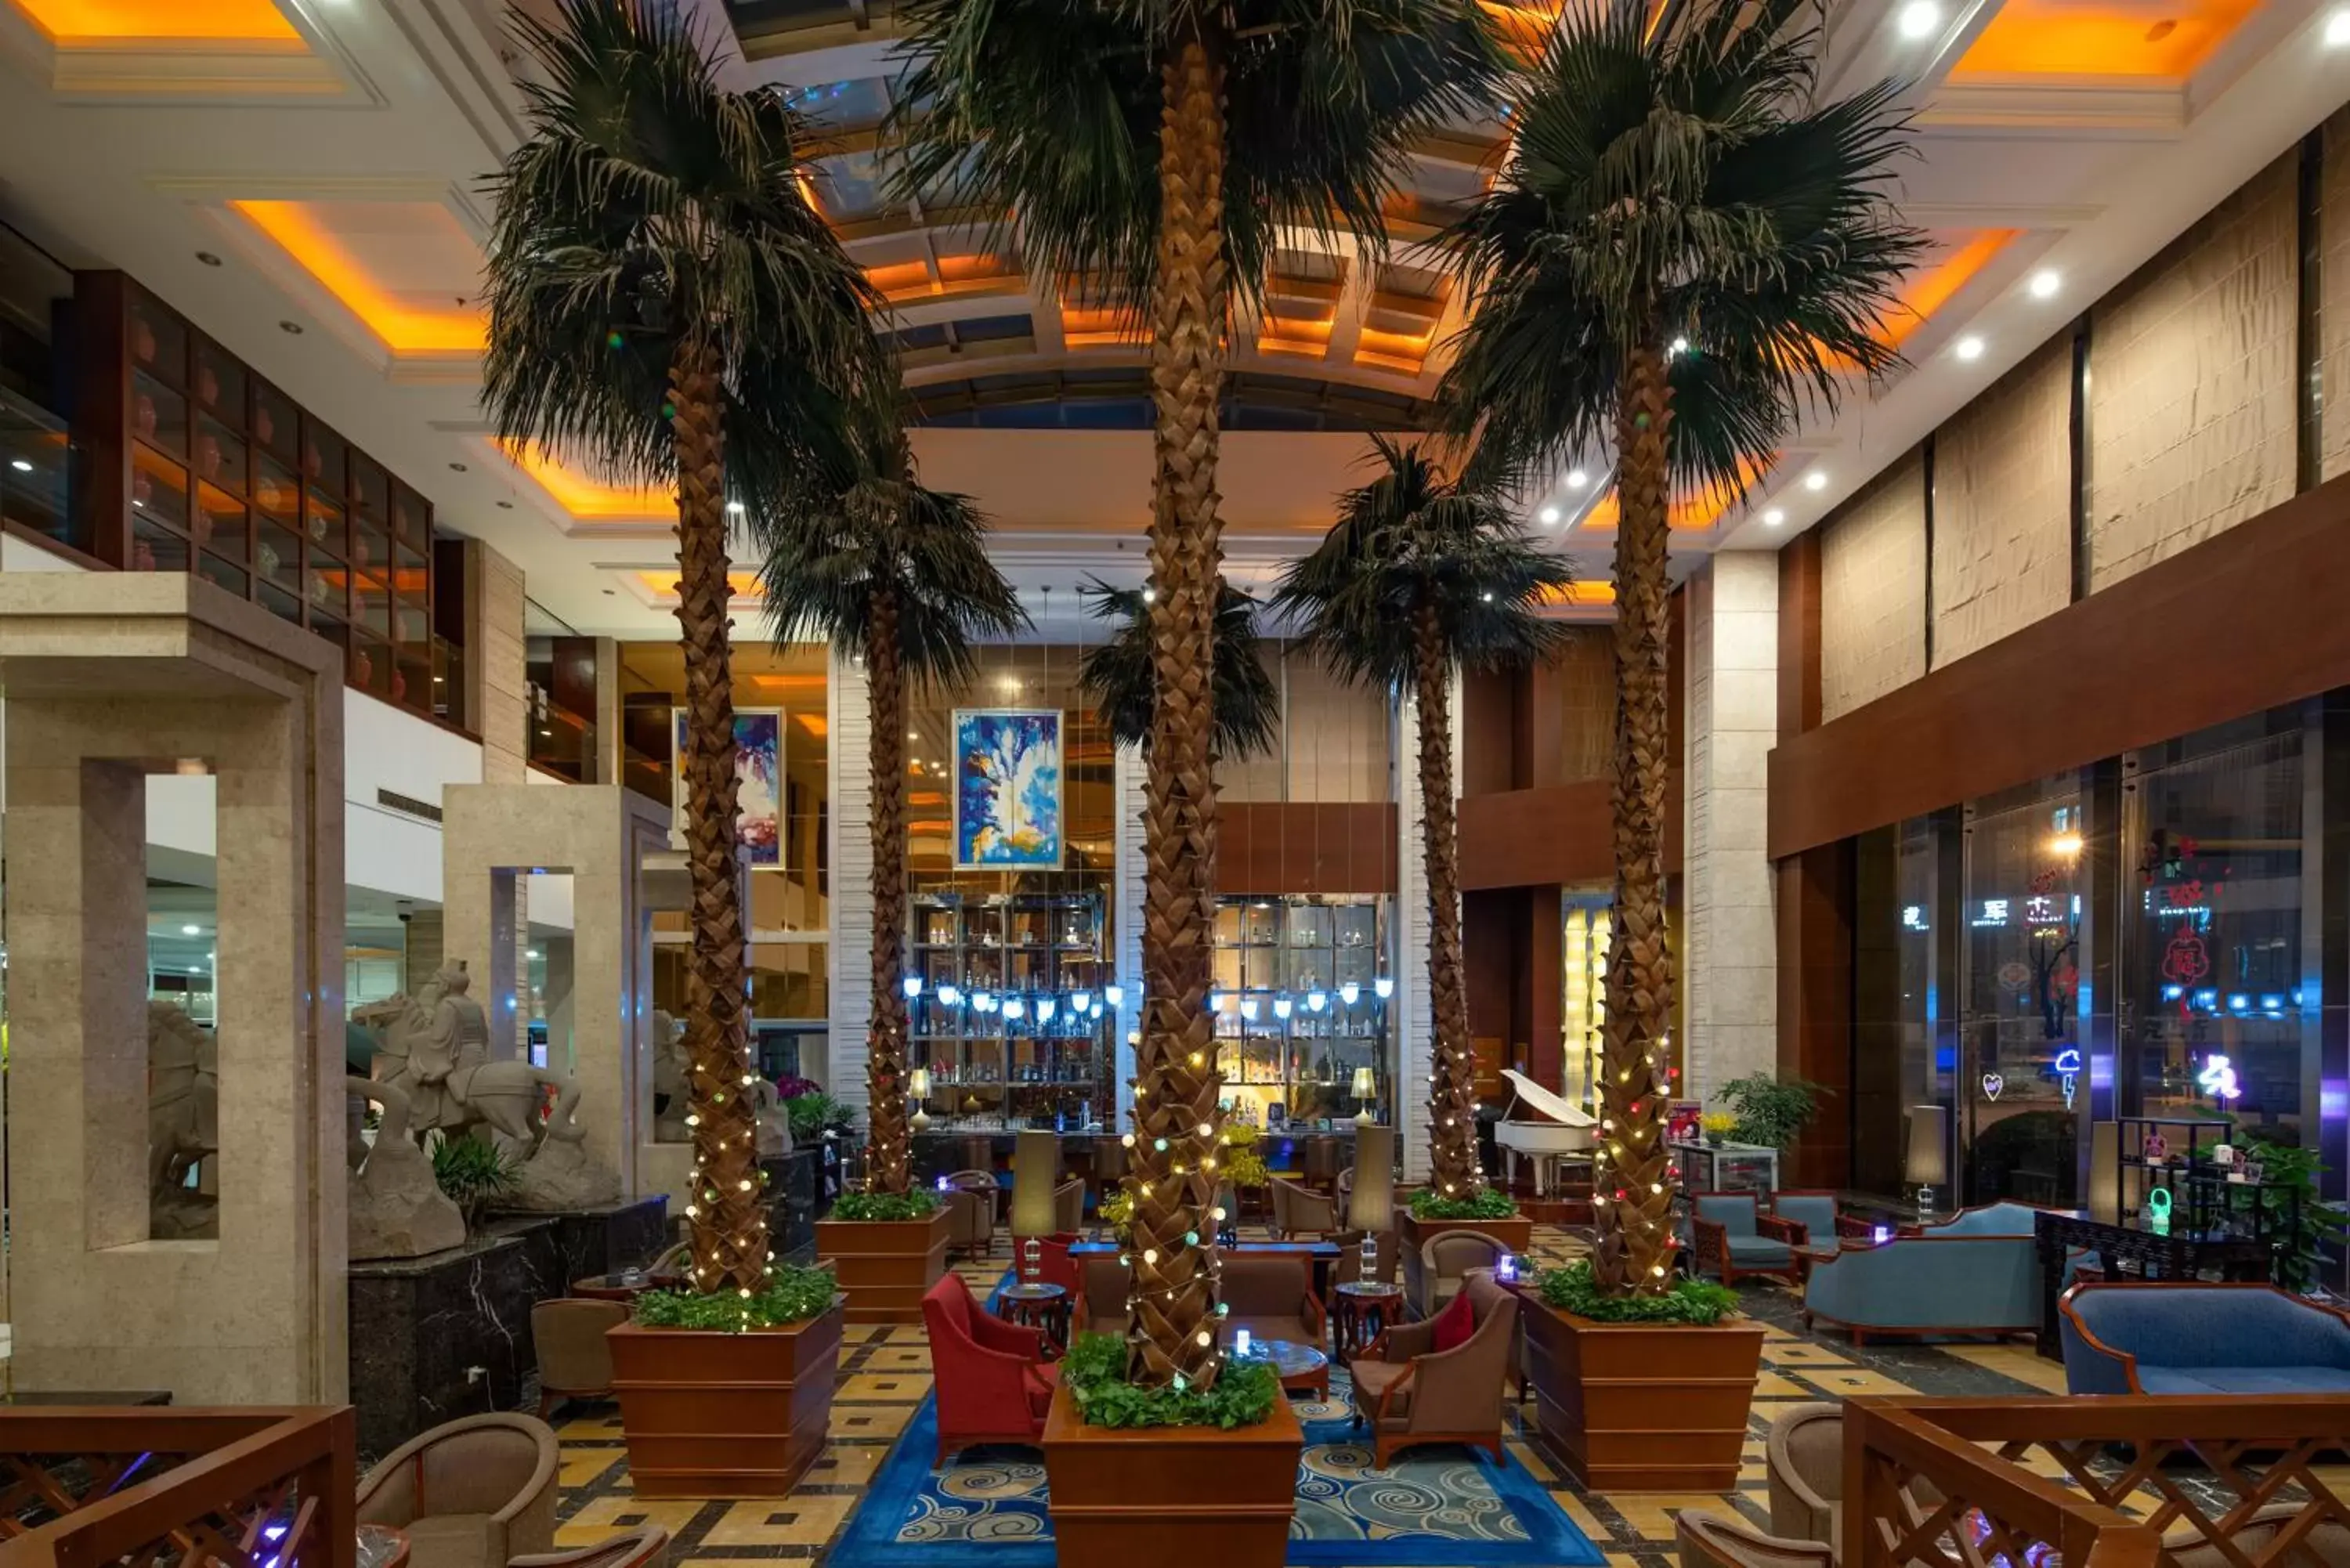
[2177, 1257]
[1361, 1310]
[1042, 1306]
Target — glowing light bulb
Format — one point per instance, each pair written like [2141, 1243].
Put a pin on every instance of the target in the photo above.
[1317, 1000]
[913, 984]
[1349, 992]
[1383, 987]
[1281, 1006]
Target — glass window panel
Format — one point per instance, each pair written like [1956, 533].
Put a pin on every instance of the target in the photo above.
[159, 488]
[220, 384]
[218, 522]
[219, 455]
[158, 415]
[221, 576]
[159, 342]
[154, 549]
[276, 428]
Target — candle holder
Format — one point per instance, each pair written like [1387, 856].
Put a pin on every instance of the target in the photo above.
[1032, 1260]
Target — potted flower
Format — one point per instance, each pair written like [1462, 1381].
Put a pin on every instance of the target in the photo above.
[888, 1248]
[1205, 1475]
[1488, 1211]
[1718, 1126]
[1640, 1392]
[728, 1393]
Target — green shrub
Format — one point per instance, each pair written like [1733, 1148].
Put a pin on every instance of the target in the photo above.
[1484, 1203]
[1771, 1111]
[794, 1295]
[919, 1203]
[809, 1115]
[1573, 1289]
[1093, 1372]
[473, 1173]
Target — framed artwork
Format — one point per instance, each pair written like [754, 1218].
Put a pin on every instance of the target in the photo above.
[758, 783]
[1007, 789]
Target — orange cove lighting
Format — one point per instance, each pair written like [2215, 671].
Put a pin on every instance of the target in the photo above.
[306, 234]
[252, 22]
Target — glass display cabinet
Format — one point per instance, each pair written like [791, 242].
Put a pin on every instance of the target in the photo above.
[1011, 1009]
[1302, 1001]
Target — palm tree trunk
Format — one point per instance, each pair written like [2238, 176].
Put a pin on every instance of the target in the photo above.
[728, 1208]
[1175, 1115]
[885, 1038]
[1635, 1239]
[1452, 1099]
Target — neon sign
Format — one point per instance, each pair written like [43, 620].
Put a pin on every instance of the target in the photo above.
[2217, 1078]
[2068, 1072]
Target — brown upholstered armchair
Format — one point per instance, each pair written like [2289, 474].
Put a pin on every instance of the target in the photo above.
[473, 1493]
[647, 1546]
[1419, 1394]
[1271, 1295]
[970, 1221]
[1709, 1541]
[1298, 1210]
[1432, 1276]
[1805, 1458]
[574, 1361]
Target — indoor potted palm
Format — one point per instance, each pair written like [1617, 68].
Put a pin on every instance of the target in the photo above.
[1672, 264]
[898, 575]
[1420, 576]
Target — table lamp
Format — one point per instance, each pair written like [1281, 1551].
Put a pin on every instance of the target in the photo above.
[1926, 1160]
[1035, 1158]
[1366, 1089]
[1370, 1207]
[919, 1085]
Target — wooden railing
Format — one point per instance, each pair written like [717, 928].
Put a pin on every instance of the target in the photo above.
[2222, 1482]
[251, 1487]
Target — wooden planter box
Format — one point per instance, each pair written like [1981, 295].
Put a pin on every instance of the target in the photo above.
[711, 1415]
[1642, 1407]
[1171, 1497]
[1517, 1233]
[884, 1266]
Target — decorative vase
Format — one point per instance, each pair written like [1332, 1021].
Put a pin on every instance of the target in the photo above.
[1713, 1141]
[142, 341]
[207, 385]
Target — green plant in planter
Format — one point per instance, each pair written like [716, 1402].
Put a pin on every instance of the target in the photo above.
[809, 1115]
[1771, 1110]
[1694, 1301]
[793, 1295]
[1484, 1203]
[1093, 1372]
[473, 1173]
[919, 1203]
[2300, 1245]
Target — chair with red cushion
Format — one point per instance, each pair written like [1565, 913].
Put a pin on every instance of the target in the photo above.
[993, 1383]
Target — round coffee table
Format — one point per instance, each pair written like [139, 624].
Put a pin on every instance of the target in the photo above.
[1040, 1304]
[624, 1286]
[1302, 1368]
[1364, 1308]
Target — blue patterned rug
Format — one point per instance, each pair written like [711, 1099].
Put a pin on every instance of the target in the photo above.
[1437, 1507]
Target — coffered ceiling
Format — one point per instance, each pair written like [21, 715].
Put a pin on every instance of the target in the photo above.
[303, 177]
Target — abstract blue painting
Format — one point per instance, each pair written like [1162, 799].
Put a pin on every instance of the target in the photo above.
[1008, 793]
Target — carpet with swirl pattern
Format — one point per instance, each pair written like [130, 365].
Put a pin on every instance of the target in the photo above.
[1437, 1507]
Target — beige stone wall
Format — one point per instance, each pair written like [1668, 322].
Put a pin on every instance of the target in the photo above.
[2002, 506]
[1873, 592]
[1585, 676]
[2190, 387]
[502, 701]
[1333, 745]
[2333, 305]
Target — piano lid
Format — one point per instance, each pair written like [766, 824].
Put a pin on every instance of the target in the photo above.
[1549, 1105]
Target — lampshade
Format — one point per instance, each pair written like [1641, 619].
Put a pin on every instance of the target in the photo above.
[1372, 1206]
[1036, 1160]
[1366, 1086]
[919, 1085]
[2105, 1171]
[1926, 1161]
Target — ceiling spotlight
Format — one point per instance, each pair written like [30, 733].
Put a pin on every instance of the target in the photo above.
[506, 505]
[1817, 479]
[456, 468]
[2047, 280]
[208, 258]
[1549, 515]
[1774, 517]
[1919, 20]
[1576, 479]
[2337, 29]
[292, 327]
[1969, 348]
[20, 465]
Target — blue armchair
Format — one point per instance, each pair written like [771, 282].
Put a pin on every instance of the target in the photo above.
[1814, 1213]
[1920, 1286]
[1731, 1233]
[2187, 1338]
[2001, 1219]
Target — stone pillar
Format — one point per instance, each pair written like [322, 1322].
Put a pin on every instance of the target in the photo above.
[1130, 778]
[1730, 934]
[496, 662]
[610, 715]
[422, 956]
[1409, 1018]
[848, 712]
[493, 835]
[110, 678]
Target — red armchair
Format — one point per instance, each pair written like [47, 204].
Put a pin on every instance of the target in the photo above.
[992, 1381]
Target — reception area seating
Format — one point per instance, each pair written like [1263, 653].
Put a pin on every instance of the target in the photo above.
[1299, 1210]
[1414, 1387]
[1433, 1274]
[1732, 1238]
[474, 1493]
[2202, 1339]
[1934, 1285]
[993, 1383]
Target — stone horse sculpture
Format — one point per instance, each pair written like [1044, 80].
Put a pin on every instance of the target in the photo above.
[435, 1050]
[182, 1121]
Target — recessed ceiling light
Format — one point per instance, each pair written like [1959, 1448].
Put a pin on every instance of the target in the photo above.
[2045, 283]
[1919, 20]
[1968, 347]
[292, 327]
[506, 505]
[20, 465]
[208, 258]
[1774, 517]
[1815, 480]
[2337, 29]
[1576, 479]
[456, 468]
[1549, 515]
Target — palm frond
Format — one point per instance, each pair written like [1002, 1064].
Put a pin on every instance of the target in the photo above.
[1117, 675]
[1412, 549]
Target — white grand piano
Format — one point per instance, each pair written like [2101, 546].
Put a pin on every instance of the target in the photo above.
[1541, 1127]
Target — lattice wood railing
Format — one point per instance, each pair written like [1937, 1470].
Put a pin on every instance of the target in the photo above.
[2106, 1482]
[158, 1488]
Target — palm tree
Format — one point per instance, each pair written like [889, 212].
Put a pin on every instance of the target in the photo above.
[1422, 576]
[1684, 250]
[1117, 674]
[1153, 152]
[658, 284]
[896, 575]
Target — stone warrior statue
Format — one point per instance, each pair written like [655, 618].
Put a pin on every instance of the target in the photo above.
[183, 1122]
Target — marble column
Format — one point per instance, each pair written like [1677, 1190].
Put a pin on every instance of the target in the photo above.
[603, 834]
[1729, 941]
[109, 678]
[851, 961]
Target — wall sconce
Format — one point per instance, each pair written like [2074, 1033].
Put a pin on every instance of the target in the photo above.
[919, 1085]
[1366, 1090]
